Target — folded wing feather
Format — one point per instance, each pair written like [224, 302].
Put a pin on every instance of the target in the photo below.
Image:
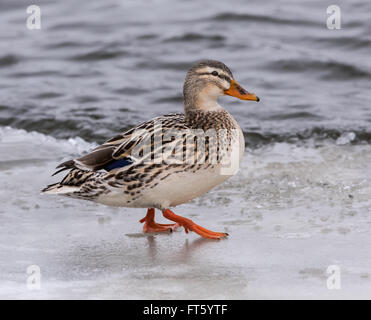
[120, 147]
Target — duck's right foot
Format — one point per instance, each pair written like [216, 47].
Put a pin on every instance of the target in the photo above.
[151, 226]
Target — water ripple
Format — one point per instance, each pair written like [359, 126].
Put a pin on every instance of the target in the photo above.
[100, 54]
[235, 17]
[327, 69]
[189, 37]
[9, 60]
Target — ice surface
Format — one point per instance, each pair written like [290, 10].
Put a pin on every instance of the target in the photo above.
[291, 212]
[346, 138]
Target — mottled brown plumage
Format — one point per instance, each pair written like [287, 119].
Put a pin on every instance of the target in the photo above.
[168, 160]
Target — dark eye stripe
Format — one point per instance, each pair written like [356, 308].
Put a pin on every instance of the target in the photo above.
[221, 76]
[225, 77]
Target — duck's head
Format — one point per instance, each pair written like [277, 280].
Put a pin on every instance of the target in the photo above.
[207, 81]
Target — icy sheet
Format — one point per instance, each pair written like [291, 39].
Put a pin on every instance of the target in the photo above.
[291, 212]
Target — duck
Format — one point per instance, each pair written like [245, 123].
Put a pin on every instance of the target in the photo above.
[168, 160]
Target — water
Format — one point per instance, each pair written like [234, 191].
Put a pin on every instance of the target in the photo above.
[300, 203]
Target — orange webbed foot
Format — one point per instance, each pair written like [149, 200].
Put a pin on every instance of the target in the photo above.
[189, 225]
[151, 226]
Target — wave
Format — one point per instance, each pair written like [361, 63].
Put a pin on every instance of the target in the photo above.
[233, 17]
[65, 44]
[19, 144]
[317, 134]
[9, 60]
[292, 115]
[154, 64]
[100, 54]
[343, 41]
[253, 139]
[333, 70]
[61, 128]
[189, 37]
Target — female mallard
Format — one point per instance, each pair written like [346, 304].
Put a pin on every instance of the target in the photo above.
[168, 160]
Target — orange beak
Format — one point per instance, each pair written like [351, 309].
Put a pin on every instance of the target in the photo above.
[237, 91]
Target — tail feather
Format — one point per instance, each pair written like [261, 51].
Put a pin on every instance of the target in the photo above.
[50, 187]
[72, 182]
[58, 188]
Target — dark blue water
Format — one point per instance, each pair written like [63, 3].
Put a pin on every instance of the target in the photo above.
[98, 67]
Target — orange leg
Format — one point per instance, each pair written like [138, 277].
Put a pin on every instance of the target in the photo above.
[151, 226]
[190, 225]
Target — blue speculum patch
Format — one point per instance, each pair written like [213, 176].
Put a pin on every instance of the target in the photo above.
[118, 164]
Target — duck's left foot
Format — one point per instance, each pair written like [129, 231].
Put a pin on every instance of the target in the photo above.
[151, 226]
[189, 225]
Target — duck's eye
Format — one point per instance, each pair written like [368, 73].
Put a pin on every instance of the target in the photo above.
[214, 73]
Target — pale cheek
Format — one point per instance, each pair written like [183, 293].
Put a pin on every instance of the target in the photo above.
[213, 91]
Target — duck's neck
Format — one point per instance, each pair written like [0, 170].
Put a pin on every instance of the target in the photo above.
[201, 103]
[204, 99]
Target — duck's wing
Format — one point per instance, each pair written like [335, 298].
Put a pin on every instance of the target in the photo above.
[125, 148]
